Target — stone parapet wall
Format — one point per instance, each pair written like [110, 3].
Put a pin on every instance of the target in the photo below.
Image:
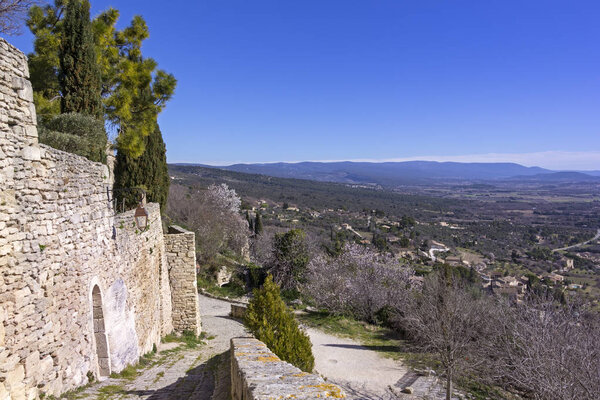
[82, 290]
[181, 258]
[238, 311]
[258, 374]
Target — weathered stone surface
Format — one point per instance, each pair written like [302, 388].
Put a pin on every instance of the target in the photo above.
[223, 276]
[181, 259]
[258, 374]
[59, 240]
[238, 311]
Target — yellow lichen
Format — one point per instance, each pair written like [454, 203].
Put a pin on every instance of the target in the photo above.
[299, 375]
[330, 390]
[268, 359]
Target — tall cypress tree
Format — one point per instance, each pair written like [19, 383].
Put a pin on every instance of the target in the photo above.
[149, 171]
[79, 77]
[258, 225]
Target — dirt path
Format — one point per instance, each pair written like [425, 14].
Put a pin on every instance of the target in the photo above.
[362, 373]
[179, 373]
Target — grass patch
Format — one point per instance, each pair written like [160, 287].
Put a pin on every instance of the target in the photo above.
[190, 340]
[229, 290]
[107, 392]
[158, 376]
[131, 372]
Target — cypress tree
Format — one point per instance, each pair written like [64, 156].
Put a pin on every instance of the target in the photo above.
[271, 322]
[79, 75]
[250, 223]
[258, 225]
[149, 171]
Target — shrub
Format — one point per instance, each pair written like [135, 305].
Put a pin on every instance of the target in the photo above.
[271, 322]
[76, 133]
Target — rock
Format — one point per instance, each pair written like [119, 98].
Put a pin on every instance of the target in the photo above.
[408, 390]
[224, 276]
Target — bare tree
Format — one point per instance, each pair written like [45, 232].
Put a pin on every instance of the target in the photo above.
[12, 14]
[261, 247]
[548, 351]
[213, 216]
[359, 282]
[450, 319]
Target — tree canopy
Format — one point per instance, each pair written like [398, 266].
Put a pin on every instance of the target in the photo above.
[149, 171]
[79, 74]
[133, 90]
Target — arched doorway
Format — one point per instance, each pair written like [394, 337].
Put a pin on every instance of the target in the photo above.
[100, 333]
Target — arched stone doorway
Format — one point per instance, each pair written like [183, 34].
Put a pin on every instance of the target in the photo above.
[100, 333]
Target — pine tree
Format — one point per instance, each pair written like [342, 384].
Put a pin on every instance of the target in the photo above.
[133, 89]
[79, 76]
[149, 171]
[271, 322]
[258, 225]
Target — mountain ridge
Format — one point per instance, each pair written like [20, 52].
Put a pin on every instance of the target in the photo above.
[404, 172]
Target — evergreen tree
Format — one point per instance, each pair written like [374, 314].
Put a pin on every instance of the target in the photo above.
[149, 171]
[79, 75]
[258, 225]
[290, 258]
[133, 90]
[271, 322]
[249, 220]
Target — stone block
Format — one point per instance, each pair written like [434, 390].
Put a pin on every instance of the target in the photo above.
[14, 383]
[4, 395]
[31, 153]
[32, 364]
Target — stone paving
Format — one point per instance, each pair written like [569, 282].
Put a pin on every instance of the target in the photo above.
[177, 372]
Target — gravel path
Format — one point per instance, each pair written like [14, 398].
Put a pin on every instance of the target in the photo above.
[362, 373]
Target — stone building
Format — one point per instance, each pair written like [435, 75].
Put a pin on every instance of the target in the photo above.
[83, 292]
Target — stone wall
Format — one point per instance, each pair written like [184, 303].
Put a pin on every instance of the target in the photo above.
[258, 374]
[82, 290]
[238, 311]
[181, 258]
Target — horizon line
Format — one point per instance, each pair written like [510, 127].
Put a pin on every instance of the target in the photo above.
[552, 160]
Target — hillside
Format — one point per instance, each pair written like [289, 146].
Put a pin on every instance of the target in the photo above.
[389, 174]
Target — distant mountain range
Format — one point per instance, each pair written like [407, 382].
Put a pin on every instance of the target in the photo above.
[409, 172]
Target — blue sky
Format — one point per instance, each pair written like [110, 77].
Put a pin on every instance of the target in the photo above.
[291, 80]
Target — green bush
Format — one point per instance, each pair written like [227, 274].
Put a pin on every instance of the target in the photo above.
[271, 322]
[75, 133]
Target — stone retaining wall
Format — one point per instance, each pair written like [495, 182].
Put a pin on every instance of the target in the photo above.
[82, 291]
[238, 311]
[181, 258]
[258, 374]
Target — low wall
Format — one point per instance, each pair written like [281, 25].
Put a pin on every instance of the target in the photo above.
[181, 258]
[238, 311]
[258, 374]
